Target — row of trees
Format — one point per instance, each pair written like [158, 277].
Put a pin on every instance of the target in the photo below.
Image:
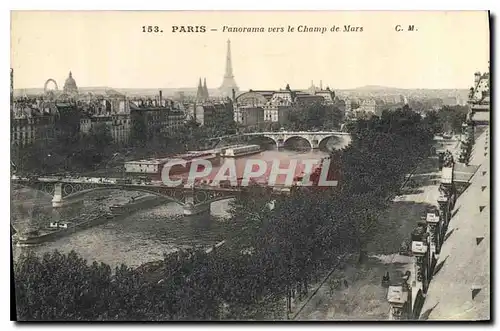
[277, 255]
[74, 152]
[448, 119]
[190, 136]
[66, 152]
[217, 123]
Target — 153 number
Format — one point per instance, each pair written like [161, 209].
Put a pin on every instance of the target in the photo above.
[151, 29]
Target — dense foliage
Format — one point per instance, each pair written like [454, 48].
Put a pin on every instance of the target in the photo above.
[277, 255]
[314, 116]
[69, 152]
[448, 119]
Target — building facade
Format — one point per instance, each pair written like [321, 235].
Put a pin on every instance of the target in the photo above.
[212, 113]
[261, 107]
[479, 99]
[36, 119]
[154, 116]
[367, 107]
[70, 113]
[110, 108]
[26, 130]
[253, 107]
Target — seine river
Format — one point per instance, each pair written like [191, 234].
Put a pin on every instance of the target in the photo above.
[141, 237]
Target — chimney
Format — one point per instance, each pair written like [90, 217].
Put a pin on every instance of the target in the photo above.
[161, 95]
[234, 95]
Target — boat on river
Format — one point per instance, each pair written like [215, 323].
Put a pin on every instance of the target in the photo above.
[59, 229]
[56, 230]
[240, 150]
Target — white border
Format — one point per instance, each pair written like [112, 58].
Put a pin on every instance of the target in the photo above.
[6, 6]
[253, 5]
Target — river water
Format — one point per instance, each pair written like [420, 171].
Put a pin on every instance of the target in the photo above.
[143, 236]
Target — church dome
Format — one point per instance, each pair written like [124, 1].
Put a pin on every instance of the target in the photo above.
[70, 84]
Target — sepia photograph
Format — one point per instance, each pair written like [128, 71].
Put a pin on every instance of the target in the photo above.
[250, 166]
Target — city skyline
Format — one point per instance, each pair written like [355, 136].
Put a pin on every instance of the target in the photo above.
[108, 49]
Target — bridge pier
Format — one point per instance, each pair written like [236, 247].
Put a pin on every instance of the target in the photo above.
[192, 209]
[57, 200]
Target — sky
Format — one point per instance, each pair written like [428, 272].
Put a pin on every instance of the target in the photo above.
[108, 48]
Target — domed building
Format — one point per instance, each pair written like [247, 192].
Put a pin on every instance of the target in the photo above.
[70, 85]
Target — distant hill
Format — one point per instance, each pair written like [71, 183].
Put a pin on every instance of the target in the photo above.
[127, 91]
[369, 88]
[375, 88]
[168, 92]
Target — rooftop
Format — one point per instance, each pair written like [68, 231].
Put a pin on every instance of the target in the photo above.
[307, 96]
[481, 116]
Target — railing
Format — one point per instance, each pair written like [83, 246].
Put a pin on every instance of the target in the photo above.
[120, 182]
[296, 133]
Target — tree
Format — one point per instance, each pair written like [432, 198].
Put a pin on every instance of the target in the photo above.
[308, 117]
[192, 124]
[450, 118]
[101, 133]
[138, 131]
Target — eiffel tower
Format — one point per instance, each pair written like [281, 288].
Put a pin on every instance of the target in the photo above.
[228, 84]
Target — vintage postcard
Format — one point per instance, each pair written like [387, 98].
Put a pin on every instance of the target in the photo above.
[250, 166]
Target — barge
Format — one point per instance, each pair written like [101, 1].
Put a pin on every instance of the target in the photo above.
[240, 150]
[57, 230]
[152, 169]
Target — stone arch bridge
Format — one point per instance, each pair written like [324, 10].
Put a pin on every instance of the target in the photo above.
[315, 139]
[193, 200]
